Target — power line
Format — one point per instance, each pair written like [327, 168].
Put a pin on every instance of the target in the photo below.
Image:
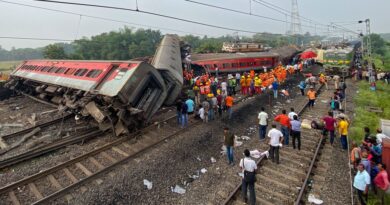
[151, 13]
[240, 12]
[102, 18]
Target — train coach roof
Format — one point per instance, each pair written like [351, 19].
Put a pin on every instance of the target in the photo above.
[220, 56]
[83, 61]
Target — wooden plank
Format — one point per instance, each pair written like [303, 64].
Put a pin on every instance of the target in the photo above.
[116, 149]
[105, 155]
[127, 145]
[35, 191]
[84, 169]
[54, 182]
[96, 163]
[70, 175]
[13, 198]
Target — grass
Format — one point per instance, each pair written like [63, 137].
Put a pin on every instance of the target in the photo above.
[373, 199]
[366, 97]
[8, 66]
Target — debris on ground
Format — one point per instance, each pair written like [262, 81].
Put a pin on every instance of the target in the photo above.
[204, 170]
[178, 189]
[313, 199]
[213, 160]
[245, 138]
[148, 184]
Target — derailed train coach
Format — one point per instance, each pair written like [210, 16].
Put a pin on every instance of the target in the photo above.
[118, 95]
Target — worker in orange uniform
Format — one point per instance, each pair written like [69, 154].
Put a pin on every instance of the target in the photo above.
[258, 85]
[229, 105]
[252, 73]
[243, 85]
[248, 81]
[284, 122]
[312, 96]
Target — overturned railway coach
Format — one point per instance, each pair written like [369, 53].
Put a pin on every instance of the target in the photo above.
[119, 95]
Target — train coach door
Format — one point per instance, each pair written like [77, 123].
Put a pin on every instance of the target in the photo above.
[107, 75]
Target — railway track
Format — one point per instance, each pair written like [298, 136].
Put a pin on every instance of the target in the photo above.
[60, 180]
[287, 183]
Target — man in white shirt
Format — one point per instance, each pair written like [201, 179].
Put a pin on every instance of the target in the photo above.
[275, 140]
[224, 86]
[380, 136]
[201, 113]
[263, 117]
[361, 183]
[291, 114]
[249, 168]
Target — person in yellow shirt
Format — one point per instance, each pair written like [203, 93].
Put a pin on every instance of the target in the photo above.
[257, 85]
[243, 85]
[312, 97]
[343, 131]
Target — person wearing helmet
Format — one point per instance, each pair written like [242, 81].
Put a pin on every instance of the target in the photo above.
[243, 85]
[258, 85]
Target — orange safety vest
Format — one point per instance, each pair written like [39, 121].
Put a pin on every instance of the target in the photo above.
[202, 90]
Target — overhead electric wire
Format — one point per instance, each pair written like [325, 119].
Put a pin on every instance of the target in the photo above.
[241, 12]
[102, 18]
[151, 13]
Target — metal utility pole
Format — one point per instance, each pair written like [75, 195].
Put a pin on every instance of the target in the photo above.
[295, 20]
[368, 48]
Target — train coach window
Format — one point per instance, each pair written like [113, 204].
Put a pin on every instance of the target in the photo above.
[70, 71]
[226, 65]
[250, 64]
[242, 64]
[45, 68]
[52, 69]
[61, 70]
[81, 72]
[93, 73]
[234, 65]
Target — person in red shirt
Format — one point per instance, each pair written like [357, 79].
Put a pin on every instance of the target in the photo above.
[381, 181]
[284, 122]
[330, 124]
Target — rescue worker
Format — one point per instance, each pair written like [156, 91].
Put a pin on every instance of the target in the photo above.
[312, 97]
[229, 105]
[257, 85]
[248, 82]
[212, 106]
[243, 85]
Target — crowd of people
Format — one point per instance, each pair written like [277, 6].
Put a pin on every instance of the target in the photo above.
[366, 159]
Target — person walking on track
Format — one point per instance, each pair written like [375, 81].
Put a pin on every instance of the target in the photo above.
[296, 131]
[275, 141]
[249, 168]
[312, 97]
[330, 124]
[284, 122]
[263, 118]
[229, 144]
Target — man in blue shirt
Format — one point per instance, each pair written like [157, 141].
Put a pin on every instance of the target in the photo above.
[296, 131]
[275, 86]
[190, 106]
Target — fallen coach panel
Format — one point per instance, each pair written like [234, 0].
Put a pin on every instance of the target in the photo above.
[168, 61]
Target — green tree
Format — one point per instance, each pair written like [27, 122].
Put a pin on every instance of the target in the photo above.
[54, 51]
[378, 45]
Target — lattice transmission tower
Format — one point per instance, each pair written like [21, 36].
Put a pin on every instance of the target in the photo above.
[295, 20]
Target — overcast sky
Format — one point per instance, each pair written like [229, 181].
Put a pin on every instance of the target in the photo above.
[22, 21]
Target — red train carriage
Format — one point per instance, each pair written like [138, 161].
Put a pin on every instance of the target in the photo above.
[236, 62]
[119, 92]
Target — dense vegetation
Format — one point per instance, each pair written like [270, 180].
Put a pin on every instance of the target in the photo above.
[127, 44]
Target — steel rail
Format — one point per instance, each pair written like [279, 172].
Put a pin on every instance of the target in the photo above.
[97, 174]
[42, 125]
[48, 148]
[72, 161]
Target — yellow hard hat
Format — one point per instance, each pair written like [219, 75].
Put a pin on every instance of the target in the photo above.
[218, 91]
[210, 95]
[256, 78]
[242, 76]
